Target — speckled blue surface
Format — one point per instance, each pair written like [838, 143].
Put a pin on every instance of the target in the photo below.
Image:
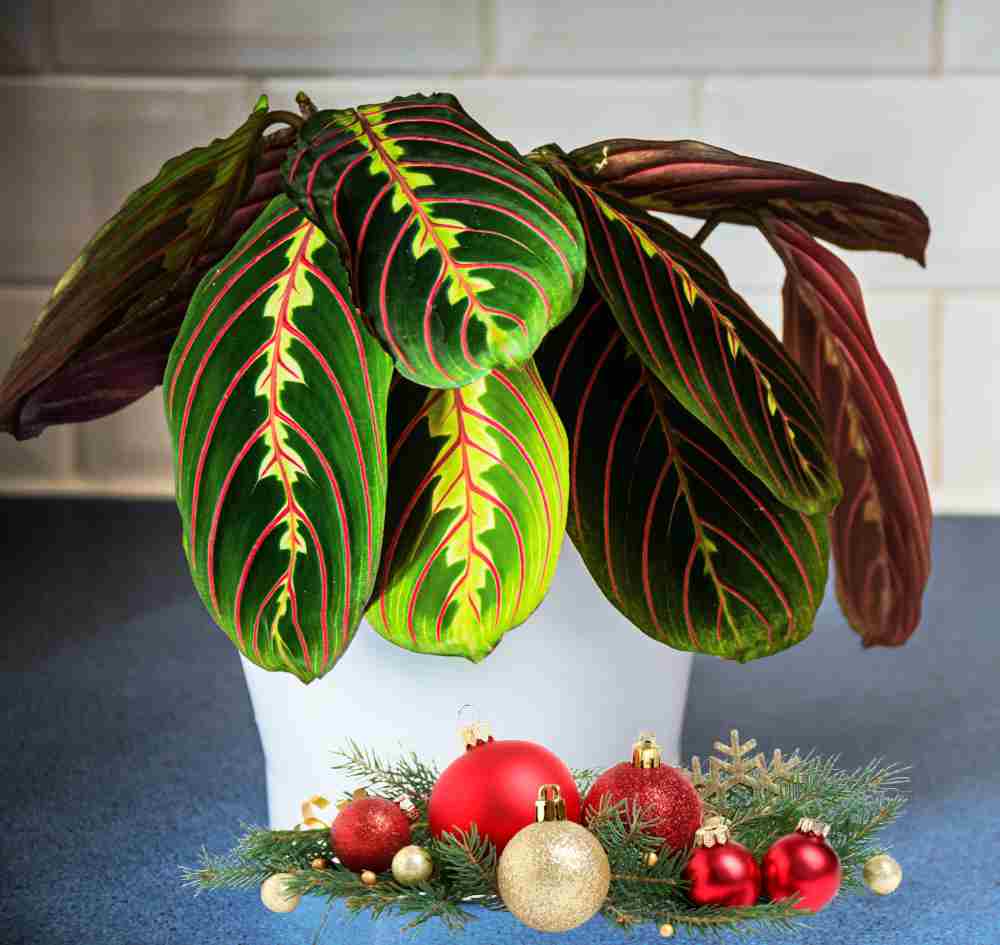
[128, 743]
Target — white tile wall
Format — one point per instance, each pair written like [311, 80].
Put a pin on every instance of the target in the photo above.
[73, 149]
[970, 455]
[22, 36]
[714, 36]
[930, 139]
[571, 111]
[264, 36]
[972, 36]
[902, 94]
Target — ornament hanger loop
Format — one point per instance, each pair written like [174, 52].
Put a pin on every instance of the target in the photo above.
[475, 733]
[550, 804]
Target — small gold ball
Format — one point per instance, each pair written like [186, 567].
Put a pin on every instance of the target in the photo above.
[274, 896]
[667, 930]
[412, 865]
[883, 874]
[320, 863]
[369, 878]
[652, 859]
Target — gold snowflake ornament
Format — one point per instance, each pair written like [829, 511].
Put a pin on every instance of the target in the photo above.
[740, 768]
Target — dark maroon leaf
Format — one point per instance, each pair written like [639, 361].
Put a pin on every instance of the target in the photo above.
[103, 338]
[881, 530]
[700, 180]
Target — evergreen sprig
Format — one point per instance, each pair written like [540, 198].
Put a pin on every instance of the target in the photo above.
[857, 804]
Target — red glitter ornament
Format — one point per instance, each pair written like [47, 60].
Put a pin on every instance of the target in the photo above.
[721, 871]
[803, 864]
[494, 785]
[660, 790]
[368, 832]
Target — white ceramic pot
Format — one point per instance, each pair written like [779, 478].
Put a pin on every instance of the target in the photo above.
[577, 677]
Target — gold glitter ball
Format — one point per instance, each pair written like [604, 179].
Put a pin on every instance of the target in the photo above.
[274, 896]
[883, 874]
[666, 930]
[369, 878]
[412, 865]
[320, 863]
[651, 859]
[554, 876]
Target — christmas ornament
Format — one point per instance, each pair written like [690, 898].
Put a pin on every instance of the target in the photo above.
[554, 874]
[738, 769]
[666, 930]
[368, 878]
[721, 871]
[412, 865]
[652, 859]
[803, 864]
[310, 807]
[320, 863]
[368, 832]
[274, 896]
[494, 784]
[882, 874]
[660, 790]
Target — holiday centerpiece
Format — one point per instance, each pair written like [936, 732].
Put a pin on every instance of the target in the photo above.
[401, 359]
[760, 857]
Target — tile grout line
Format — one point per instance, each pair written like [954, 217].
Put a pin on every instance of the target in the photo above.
[697, 105]
[487, 39]
[935, 343]
[938, 26]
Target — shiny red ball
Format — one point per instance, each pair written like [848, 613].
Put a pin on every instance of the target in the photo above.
[723, 875]
[661, 792]
[368, 833]
[802, 864]
[494, 785]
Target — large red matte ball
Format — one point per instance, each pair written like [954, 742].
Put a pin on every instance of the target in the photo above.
[802, 865]
[368, 833]
[723, 875]
[661, 792]
[494, 785]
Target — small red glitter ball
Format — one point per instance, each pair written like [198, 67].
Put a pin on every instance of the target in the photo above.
[660, 790]
[368, 833]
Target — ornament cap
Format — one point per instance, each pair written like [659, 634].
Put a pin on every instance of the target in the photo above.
[713, 831]
[478, 733]
[645, 752]
[815, 827]
[550, 805]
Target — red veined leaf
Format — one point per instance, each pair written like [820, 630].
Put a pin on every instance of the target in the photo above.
[882, 529]
[679, 536]
[103, 338]
[276, 396]
[701, 339]
[476, 512]
[462, 254]
[701, 180]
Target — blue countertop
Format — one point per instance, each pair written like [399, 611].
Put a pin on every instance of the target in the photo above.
[128, 743]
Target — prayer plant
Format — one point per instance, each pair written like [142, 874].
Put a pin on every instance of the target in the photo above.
[399, 359]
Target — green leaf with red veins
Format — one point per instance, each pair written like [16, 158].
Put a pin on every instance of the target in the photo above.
[705, 344]
[276, 399]
[102, 340]
[700, 180]
[476, 512]
[882, 530]
[678, 535]
[462, 254]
